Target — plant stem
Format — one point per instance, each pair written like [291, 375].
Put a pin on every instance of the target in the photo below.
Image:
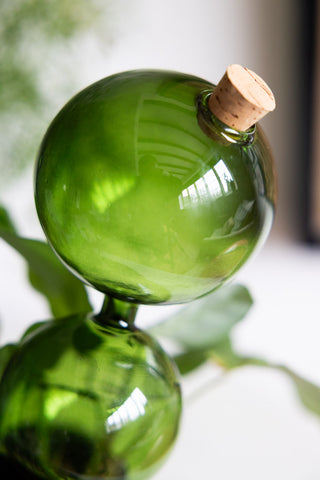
[204, 388]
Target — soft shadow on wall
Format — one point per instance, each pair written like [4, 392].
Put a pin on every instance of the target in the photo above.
[284, 33]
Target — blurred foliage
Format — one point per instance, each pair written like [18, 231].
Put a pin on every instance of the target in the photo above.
[34, 36]
[207, 321]
[64, 293]
[201, 343]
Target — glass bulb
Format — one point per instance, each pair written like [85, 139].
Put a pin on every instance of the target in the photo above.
[89, 398]
[145, 196]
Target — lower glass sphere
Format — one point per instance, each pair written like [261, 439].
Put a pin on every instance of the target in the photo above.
[83, 400]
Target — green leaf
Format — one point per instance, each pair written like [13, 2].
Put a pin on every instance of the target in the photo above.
[64, 292]
[221, 354]
[189, 361]
[206, 322]
[5, 354]
[33, 328]
[224, 355]
[6, 223]
[308, 392]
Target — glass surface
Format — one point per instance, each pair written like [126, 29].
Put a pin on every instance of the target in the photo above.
[89, 398]
[145, 196]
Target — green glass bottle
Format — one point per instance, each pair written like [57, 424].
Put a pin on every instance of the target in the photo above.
[89, 398]
[146, 195]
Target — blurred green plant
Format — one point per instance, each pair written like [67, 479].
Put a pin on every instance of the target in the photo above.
[64, 293]
[206, 336]
[34, 36]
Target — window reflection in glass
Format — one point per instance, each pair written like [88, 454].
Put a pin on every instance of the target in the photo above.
[215, 183]
[225, 176]
[130, 410]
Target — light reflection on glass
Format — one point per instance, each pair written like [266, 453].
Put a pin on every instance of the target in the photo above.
[175, 145]
[56, 401]
[129, 411]
[192, 194]
[212, 184]
[107, 191]
[224, 176]
[201, 187]
[215, 183]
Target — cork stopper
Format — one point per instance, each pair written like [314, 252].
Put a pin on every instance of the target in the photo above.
[241, 98]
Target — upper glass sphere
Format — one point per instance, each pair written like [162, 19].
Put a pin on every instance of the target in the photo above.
[145, 195]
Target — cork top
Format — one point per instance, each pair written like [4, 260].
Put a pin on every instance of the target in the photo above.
[241, 98]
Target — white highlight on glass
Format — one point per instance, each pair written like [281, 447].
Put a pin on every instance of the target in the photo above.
[224, 175]
[212, 183]
[129, 411]
[215, 183]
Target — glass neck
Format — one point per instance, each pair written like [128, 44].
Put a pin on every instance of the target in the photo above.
[114, 311]
[216, 129]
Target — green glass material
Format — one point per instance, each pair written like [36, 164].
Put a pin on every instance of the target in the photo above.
[89, 398]
[145, 195]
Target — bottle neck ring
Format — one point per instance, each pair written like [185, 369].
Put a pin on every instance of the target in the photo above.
[215, 128]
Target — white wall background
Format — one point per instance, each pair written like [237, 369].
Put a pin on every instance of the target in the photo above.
[250, 425]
